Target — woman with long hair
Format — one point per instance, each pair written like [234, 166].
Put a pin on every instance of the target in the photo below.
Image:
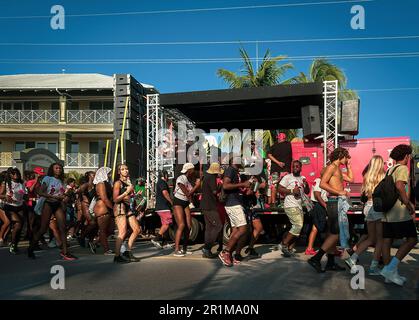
[12, 191]
[123, 191]
[52, 192]
[373, 176]
[103, 207]
[182, 198]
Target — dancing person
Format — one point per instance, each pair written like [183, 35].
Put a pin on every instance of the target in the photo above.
[3, 217]
[332, 182]
[123, 191]
[87, 193]
[51, 203]
[398, 223]
[103, 207]
[372, 178]
[234, 209]
[163, 205]
[318, 214]
[208, 206]
[292, 185]
[12, 191]
[182, 198]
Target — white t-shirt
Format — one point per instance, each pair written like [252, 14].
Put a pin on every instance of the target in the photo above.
[178, 191]
[316, 187]
[290, 182]
[55, 187]
[16, 193]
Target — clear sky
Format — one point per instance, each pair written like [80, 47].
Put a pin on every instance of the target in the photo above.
[383, 112]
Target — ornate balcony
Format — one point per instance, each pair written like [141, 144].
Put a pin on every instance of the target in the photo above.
[90, 116]
[29, 116]
[82, 160]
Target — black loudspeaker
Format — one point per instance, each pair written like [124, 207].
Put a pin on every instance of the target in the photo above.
[349, 119]
[311, 121]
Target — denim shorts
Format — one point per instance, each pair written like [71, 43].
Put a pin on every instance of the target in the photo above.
[371, 214]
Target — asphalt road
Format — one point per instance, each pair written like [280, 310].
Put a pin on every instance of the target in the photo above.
[159, 275]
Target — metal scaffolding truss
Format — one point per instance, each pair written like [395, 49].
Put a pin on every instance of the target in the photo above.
[330, 113]
[157, 119]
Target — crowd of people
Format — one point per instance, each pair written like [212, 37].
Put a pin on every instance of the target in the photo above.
[92, 209]
[87, 211]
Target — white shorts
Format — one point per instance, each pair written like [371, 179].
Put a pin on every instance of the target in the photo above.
[236, 216]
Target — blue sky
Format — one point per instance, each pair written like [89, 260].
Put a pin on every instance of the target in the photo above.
[383, 113]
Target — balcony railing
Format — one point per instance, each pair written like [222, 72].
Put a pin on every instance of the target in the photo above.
[82, 160]
[29, 116]
[6, 159]
[53, 116]
[90, 116]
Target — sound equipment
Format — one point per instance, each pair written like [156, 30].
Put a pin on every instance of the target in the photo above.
[311, 121]
[349, 119]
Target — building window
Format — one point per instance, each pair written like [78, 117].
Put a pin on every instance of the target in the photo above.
[19, 146]
[73, 105]
[108, 105]
[94, 147]
[52, 146]
[41, 145]
[55, 105]
[7, 106]
[18, 106]
[74, 147]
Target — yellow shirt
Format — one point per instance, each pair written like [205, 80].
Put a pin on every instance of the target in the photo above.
[399, 212]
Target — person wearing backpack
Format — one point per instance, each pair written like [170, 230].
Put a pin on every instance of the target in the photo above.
[398, 222]
[373, 176]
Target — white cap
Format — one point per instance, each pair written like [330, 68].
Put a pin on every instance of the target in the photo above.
[187, 166]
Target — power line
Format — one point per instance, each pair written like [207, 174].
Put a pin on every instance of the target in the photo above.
[408, 37]
[195, 10]
[211, 60]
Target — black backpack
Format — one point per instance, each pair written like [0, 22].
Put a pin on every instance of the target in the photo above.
[385, 194]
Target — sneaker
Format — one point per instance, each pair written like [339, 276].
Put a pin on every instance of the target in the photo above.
[375, 271]
[156, 244]
[109, 253]
[186, 251]
[69, 237]
[207, 254]
[13, 249]
[316, 265]
[120, 259]
[392, 276]
[350, 263]
[169, 246]
[252, 253]
[310, 252]
[68, 256]
[286, 252]
[129, 256]
[52, 244]
[92, 247]
[225, 258]
[179, 254]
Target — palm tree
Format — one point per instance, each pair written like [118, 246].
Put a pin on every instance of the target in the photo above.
[269, 73]
[323, 70]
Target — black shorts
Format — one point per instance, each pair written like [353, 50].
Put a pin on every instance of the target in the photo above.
[178, 202]
[319, 217]
[399, 230]
[54, 206]
[8, 208]
[332, 216]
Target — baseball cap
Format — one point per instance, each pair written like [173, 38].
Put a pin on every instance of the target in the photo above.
[187, 166]
[39, 170]
[281, 136]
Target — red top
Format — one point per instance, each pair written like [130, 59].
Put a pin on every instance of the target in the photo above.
[32, 195]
